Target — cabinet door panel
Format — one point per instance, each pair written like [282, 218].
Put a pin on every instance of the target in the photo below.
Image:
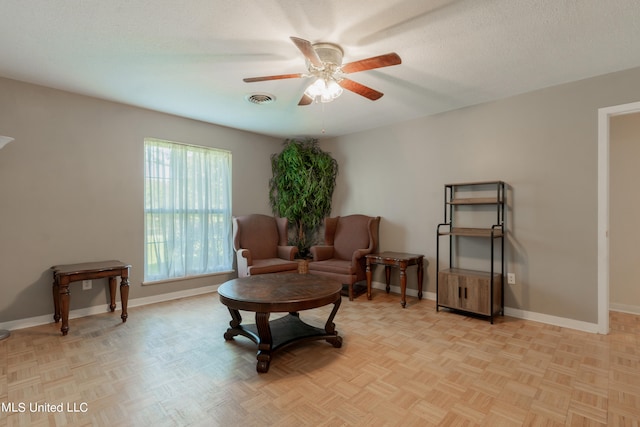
[448, 285]
[477, 295]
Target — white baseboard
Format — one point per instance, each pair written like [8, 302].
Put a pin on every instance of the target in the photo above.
[624, 308]
[103, 308]
[409, 292]
[137, 302]
[552, 320]
[513, 312]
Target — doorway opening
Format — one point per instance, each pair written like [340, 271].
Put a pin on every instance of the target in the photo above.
[604, 116]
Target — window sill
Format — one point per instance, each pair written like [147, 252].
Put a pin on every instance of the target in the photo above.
[182, 279]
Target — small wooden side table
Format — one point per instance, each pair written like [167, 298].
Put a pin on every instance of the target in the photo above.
[65, 274]
[396, 259]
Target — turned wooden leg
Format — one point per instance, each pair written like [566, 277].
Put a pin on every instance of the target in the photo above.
[112, 293]
[265, 344]
[64, 307]
[420, 277]
[387, 277]
[56, 301]
[124, 296]
[368, 279]
[403, 285]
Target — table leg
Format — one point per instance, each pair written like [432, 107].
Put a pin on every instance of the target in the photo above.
[387, 276]
[56, 300]
[64, 306]
[265, 344]
[235, 328]
[330, 327]
[112, 293]
[124, 296]
[403, 285]
[420, 277]
[236, 319]
[368, 279]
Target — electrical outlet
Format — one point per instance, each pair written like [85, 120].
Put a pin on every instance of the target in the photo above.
[86, 284]
[511, 278]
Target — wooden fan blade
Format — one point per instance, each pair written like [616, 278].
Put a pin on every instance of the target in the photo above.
[371, 63]
[305, 100]
[360, 89]
[307, 50]
[278, 77]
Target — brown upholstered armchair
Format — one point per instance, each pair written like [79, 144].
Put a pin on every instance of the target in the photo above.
[260, 242]
[347, 239]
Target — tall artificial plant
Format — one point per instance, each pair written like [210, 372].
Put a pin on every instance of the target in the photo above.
[301, 187]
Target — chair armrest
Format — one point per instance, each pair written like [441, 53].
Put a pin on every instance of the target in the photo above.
[287, 252]
[321, 252]
[245, 260]
[246, 254]
[359, 253]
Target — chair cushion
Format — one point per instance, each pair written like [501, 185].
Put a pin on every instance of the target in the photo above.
[333, 265]
[272, 265]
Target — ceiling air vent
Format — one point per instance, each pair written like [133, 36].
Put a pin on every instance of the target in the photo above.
[261, 98]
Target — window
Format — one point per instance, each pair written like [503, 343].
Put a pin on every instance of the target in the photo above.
[187, 206]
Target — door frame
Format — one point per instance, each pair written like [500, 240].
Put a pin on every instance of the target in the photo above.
[604, 116]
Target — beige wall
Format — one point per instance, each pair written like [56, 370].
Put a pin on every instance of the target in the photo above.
[71, 189]
[543, 144]
[624, 280]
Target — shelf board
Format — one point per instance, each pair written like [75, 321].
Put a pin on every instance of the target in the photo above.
[473, 232]
[475, 201]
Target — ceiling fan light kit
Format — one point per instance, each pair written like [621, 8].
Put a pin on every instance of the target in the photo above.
[326, 87]
[324, 90]
[324, 63]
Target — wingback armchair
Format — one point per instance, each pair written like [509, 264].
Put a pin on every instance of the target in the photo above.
[347, 239]
[260, 242]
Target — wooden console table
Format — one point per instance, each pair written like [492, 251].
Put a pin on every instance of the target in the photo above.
[396, 259]
[65, 274]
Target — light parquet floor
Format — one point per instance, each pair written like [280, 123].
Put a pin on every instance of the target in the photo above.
[170, 366]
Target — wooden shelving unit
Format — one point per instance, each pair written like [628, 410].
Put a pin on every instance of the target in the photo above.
[474, 291]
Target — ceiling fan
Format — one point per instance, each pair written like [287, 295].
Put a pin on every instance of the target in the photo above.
[324, 63]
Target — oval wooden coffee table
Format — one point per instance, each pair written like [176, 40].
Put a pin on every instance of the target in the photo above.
[280, 293]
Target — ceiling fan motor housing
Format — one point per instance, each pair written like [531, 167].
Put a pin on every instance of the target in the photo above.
[329, 53]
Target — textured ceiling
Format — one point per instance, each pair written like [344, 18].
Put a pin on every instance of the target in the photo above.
[188, 57]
